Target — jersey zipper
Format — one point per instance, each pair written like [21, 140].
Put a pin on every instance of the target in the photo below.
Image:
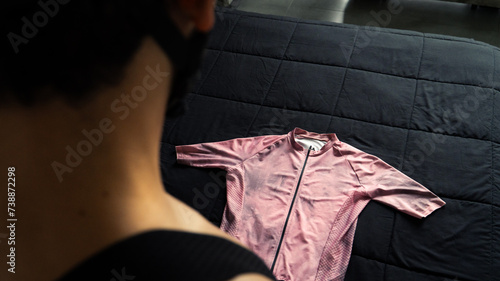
[290, 210]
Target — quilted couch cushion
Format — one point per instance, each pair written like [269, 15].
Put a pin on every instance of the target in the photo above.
[426, 104]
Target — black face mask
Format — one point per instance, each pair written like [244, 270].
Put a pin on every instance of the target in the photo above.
[186, 55]
[190, 60]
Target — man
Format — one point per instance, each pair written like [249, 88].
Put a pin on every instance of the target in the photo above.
[84, 88]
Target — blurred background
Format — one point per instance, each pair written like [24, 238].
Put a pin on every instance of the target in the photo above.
[480, 22]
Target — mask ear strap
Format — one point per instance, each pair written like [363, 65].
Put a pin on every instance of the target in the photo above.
[185, 53]
[153, 17]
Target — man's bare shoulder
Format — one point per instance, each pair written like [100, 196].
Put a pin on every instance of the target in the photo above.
[250, 277]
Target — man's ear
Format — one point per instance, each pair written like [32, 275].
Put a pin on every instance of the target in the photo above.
[201, 13]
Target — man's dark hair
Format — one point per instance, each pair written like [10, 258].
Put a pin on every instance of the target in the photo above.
[76, 47]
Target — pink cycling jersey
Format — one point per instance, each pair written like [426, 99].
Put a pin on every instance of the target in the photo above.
[294, 199]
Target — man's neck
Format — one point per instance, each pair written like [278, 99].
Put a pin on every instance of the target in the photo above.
[86, 177]
[63, 217]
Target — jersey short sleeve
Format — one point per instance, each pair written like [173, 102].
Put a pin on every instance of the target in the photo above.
[222, 154]
[387, 185]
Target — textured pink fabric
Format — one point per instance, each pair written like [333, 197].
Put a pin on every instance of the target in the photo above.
[337, 182]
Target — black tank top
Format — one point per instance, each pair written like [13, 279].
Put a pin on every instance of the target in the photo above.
[162, 255]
